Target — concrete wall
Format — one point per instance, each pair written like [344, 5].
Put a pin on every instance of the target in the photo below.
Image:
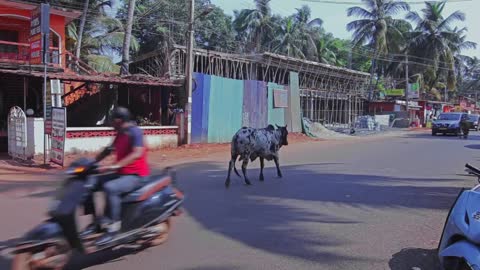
[96, 143]
[293, 116]
[35, 137]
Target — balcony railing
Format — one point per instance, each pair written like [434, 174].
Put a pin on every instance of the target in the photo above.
[19, 53]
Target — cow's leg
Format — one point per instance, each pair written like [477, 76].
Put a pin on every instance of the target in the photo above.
[279, 173]
[244, 170]
[230, 165]
[262, 165]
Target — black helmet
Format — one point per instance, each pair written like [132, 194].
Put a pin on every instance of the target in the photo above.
[121, 113]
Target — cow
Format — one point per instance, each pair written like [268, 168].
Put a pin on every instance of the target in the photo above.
[250, 143]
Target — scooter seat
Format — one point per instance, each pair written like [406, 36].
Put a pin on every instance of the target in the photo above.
[151, 185]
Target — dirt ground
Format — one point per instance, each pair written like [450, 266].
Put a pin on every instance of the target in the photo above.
[166, 155]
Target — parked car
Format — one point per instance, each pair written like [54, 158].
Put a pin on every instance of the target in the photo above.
[473, 120]
[447, 123]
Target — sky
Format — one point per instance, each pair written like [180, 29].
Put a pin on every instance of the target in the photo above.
[335, 17]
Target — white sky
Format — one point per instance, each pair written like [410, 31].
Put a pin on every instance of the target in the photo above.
[335, 15]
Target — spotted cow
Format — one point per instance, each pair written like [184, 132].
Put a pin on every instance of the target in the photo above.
[250, 143]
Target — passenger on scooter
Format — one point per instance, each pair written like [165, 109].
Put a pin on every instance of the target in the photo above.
[124, 175]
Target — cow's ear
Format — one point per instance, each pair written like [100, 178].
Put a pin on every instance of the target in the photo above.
[277, 126]
[286, 126]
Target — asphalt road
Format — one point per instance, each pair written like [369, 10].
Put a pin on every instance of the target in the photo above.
[360, 204]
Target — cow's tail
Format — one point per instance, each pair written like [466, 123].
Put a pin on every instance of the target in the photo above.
[235, 155]
[235, 167]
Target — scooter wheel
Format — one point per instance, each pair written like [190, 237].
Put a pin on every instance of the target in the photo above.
[164, 231]
[26, 260]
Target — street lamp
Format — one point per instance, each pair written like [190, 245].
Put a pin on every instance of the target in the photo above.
[189, 71]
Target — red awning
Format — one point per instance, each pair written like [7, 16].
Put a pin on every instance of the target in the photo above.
[101, 78]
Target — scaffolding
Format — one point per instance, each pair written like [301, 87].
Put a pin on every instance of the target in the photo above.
[330, 95]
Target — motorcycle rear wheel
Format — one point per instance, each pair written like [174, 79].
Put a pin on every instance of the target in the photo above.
[162, 237]
[24, 261]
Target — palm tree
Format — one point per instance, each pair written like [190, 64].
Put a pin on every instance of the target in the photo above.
[324, 51]
[310, 31]
[376, 24]
[127, 39]
[288, 40]
[433, 38]
[256, 23]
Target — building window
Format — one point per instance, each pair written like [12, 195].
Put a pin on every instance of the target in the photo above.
[11, 36]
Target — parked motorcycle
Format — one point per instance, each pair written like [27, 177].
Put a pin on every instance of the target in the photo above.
[459, 247]
[146, 219]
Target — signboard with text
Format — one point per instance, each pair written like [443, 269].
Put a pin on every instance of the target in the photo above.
[39, 30]
[280, 98]
[395, 92]
[414, 90]
[49, 101]
[59, 128]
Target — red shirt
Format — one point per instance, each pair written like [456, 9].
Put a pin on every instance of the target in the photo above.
[124, 143]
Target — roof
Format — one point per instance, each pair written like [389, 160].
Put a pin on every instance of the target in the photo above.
[266, 58]
[69, 14]
[139, 80]
[302, 61]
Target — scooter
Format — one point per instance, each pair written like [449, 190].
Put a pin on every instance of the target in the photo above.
[459, 247]
[146, 219]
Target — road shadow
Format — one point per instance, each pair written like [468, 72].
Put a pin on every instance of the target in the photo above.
[415, 258]
[473, 146]
[267, 215]
[273, 215]
[471, 137]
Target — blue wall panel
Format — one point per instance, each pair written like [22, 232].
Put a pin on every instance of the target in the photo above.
[197, 108]
[206, 107]
[225, 109]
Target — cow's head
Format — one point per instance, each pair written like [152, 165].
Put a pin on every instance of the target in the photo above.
[283, 135]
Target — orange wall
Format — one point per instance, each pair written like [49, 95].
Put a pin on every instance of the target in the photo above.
[57, 24]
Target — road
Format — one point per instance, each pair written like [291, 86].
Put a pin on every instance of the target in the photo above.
[376, 203]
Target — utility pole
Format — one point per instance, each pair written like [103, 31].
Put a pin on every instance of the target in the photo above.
[189, 71]
[406, 85]
[372, 70]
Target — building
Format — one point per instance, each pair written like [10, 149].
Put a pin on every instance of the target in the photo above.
[232, 90]
[87, 94]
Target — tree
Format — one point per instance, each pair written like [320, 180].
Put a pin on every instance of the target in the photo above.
[310, 31]
[434, 40]
[126, 39]
[325, 50]
[83, 19]
[376, 25]
[256, 24]
[288, 41]
[160, 24]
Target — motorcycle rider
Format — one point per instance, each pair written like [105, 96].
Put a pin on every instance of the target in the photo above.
[124, 175]
[465, 125]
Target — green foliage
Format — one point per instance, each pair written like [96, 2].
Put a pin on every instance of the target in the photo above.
[378, 32]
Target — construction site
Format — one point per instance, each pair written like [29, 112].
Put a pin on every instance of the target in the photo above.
[330, 95]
